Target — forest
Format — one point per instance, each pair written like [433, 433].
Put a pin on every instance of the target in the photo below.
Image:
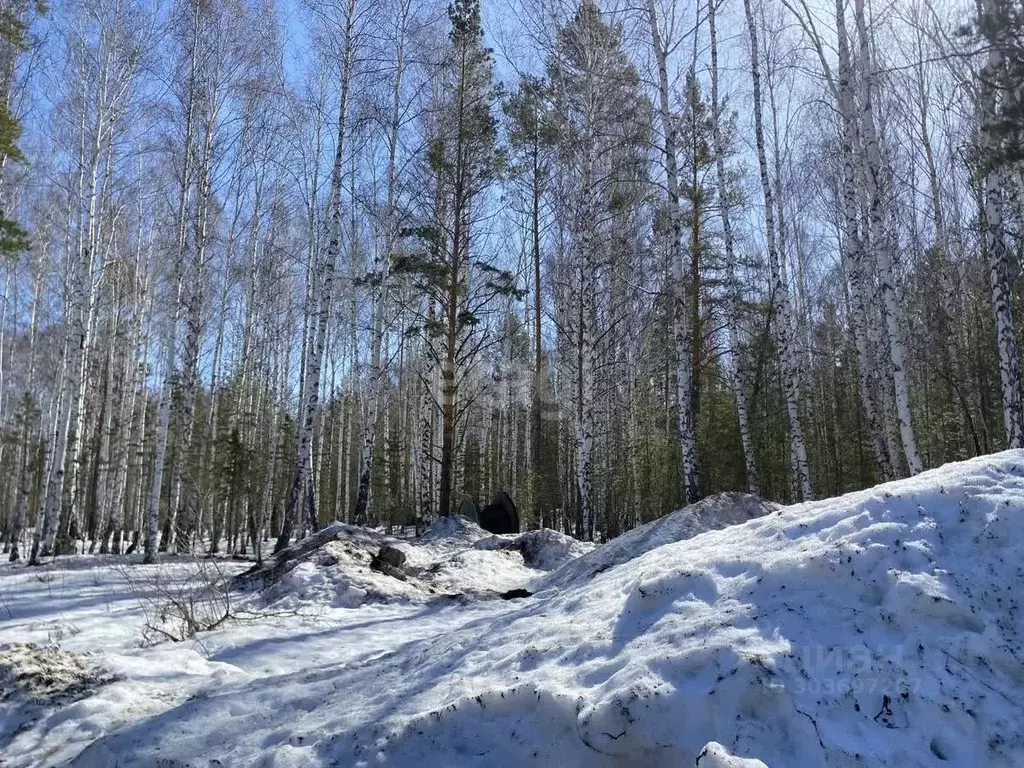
[269, 265]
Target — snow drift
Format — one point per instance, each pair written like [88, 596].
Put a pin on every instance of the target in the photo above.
[718, 511]
[544, 550]
[881, 628]
[455, 558]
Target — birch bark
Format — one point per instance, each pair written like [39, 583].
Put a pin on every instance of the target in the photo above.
[783, 322]
[733, 309]
[852, 248]
[380, 277]
[152, 516]
[314, 362]
[682, 333]
[883, 258]
[997, 249]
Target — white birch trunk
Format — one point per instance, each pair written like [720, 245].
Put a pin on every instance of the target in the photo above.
[25, 484]
[853, 251]
[297, 494]
[883, 258]
[733, 310]
[152, 516]
[997, 249]
[783, 322]
[379, 291]
[682, 334]
[133, 383]
[426, 477]
[78, 313]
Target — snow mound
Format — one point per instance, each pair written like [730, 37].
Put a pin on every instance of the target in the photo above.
[714, 755]
[331, 567]
[881, 629]
[476, 573]
[454, 559]
[718, 511]
[339, 575]
[454, 527]
[543, 549]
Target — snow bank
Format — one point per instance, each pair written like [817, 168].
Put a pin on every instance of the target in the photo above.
[337, 573]
[544, 549]
[714, 755]
[454, 527]
[882, 628]
[455, 558]
[714, 512]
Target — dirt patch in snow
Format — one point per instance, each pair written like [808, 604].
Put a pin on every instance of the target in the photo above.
[35, 679]
[45, 675]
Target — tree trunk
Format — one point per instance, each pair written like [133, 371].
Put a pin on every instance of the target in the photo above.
[783, 322]
[311, 389]
[733, 310]
[997, 249]
[682, 332]
[379, 291]
[883, 257]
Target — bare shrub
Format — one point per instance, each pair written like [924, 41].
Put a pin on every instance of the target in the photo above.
[179, 603]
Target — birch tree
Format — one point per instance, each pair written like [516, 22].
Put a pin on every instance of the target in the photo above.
[780, 291]
[682, 328]
[319, 311]
[378, 279]
[103, 63]
[601, 116]
[993, 95]
[880, 244]
[732, 285]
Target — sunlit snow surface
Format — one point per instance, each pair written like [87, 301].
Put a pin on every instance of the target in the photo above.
[882, 628]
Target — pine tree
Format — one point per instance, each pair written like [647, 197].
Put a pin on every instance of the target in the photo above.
[463, 159]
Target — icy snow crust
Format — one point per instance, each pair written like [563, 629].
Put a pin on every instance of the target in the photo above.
[882, 628]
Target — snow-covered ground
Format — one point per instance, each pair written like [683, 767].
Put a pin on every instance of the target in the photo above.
[882, 628]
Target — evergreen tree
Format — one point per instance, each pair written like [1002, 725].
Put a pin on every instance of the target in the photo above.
[454, 272]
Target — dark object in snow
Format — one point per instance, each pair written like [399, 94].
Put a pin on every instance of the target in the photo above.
[501, 515]
[469, 509]
[391, 556]
[513, 594]
[389, 561]
[389, 570]
[46, 675]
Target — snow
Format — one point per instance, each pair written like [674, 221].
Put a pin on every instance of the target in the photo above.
[544, 550]
[717, 511]
[881, 628]
[714, 755]
[456, 559]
